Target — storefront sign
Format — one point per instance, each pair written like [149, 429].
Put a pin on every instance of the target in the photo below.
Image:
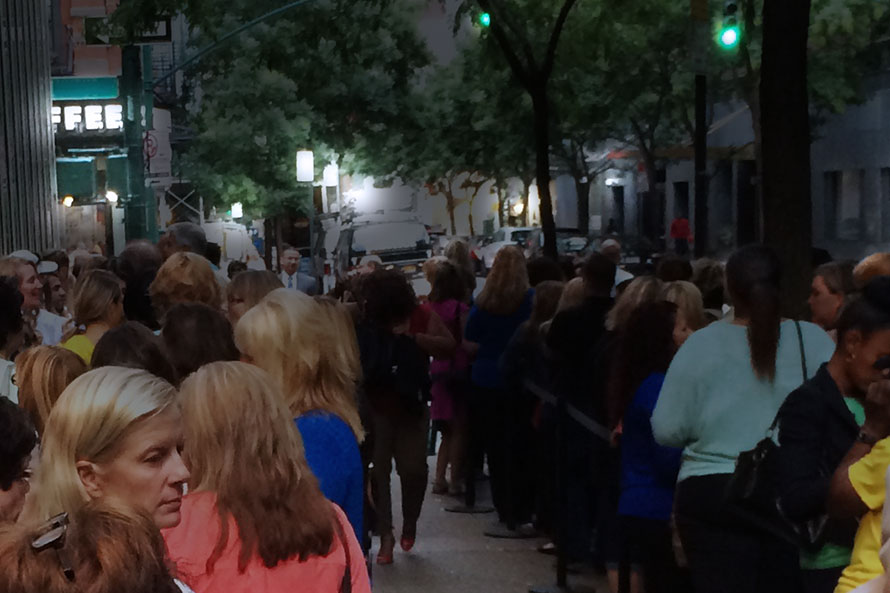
[79, 118]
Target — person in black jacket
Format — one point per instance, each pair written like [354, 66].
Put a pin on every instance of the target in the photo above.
[820, 421]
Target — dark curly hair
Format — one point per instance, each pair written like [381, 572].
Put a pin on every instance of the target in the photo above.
[386, 297]
[19, 439]
[11, 320]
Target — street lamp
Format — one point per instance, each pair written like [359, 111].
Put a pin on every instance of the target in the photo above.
[111, 197]
[68, 201]
[305, 166]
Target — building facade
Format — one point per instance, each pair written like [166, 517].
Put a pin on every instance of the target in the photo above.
[29, 205]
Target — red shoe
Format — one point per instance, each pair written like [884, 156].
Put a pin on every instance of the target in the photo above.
[385, 554]
[408, 539]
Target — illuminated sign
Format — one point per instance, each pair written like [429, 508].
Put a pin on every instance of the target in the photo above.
[88, 118]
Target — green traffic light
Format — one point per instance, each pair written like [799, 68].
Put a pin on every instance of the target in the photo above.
[485, 19]
[729, 37]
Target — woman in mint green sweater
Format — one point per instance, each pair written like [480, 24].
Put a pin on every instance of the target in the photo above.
[720, 395]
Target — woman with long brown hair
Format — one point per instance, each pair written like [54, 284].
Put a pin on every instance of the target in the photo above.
[261, 525]
[720, 396]
[314, 363]
[42, 374]
[502, 306]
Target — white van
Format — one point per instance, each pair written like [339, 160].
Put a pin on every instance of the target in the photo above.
[235, 243]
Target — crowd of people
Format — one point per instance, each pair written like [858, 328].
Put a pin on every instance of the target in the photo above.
[170, 427]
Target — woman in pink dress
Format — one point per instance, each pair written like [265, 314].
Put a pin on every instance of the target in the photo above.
[450, 378]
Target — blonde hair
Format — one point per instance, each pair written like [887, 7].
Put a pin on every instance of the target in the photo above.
[90, 419]
[507, 283]
[688, 299]
[252, 286]
[184, 278]
[42, 374]
[431, 266]
[291, 336]
[230, 408]
[10, 266]
[94, 294]
[573, 295]
[876, 264]
[458, 253]
[642, 290]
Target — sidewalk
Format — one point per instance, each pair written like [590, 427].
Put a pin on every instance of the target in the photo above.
[452, 555]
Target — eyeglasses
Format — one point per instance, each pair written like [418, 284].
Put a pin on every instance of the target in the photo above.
[53, 537]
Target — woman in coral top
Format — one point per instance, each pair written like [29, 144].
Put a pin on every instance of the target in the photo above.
[255, 519]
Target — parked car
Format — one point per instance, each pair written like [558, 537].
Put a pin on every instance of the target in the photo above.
[570, 243]
[402, 244]
[505, 236]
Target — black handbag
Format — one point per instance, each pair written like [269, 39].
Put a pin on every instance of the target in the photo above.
[751, 495]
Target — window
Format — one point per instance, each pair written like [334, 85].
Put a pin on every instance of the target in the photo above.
[843, 204]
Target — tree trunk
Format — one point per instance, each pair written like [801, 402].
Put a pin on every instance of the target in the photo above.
[268, 236]
[785, 126]
[472, 226]
[278, 242]
[502, 197]
[582, 188]
[540, 103]
[450, 206]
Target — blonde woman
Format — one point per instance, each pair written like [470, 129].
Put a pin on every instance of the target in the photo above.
[114, 433]
[98, 307]
[184, 278]
[503, 305]
[313, 361]
[645, 289]
[261, 526]
[247, 289]
[690, 309]
[42, 374]
[458, 253]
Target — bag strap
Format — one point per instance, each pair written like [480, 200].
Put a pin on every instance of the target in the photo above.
[803, 368]
[346, 583]
[803, 353]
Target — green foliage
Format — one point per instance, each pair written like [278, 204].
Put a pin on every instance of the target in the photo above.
[333, 76]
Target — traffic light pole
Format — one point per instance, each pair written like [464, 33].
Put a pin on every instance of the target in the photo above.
[700, 46]
[701, 165]
[135, 206]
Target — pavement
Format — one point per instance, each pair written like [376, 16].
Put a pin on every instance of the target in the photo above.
[453, 556]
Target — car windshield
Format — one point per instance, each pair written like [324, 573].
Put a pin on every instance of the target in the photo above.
[520, 236]
[389, 237]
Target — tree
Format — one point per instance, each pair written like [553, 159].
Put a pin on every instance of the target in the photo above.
[312, 77]
[531, 57]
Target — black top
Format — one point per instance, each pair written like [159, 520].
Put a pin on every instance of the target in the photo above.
[816, 429]
[576, 340]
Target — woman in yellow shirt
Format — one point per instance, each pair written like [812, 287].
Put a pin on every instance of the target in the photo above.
[98, 307]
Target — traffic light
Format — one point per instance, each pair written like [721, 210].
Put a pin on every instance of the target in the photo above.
[730, 32]
[485, 19]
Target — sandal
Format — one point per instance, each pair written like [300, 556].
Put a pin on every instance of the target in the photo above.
[385, 554]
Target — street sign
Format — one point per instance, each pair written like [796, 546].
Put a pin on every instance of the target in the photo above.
[98, 31]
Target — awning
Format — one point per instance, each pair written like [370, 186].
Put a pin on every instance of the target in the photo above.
[73, 88]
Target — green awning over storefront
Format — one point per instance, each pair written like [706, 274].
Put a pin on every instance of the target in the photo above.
[72, 88]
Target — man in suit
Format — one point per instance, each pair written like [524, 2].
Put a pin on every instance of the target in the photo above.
[291, 276]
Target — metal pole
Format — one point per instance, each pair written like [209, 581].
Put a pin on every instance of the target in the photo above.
[701, 165]
[132, 94]
[700, 48]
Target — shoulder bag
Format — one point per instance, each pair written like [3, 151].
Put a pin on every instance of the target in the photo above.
[751, 492]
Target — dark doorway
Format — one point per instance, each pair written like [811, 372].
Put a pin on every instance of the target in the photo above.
[747, 211]
[681, 199]
[618, 207]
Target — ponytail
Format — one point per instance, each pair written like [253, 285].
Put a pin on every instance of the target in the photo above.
[764, 319]
[753, 276]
